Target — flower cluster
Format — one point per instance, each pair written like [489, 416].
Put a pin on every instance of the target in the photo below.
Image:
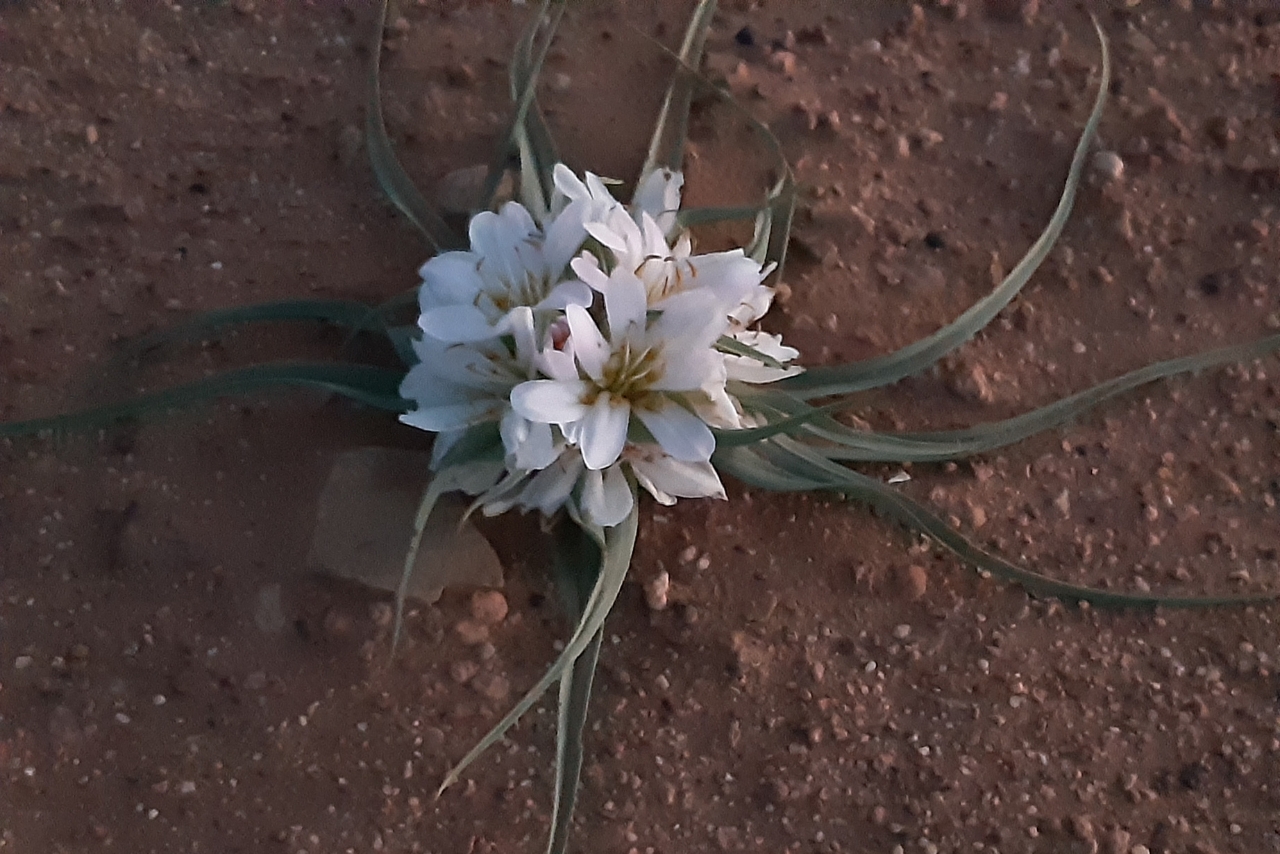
[593, 341]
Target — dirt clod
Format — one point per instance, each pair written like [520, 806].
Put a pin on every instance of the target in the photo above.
[914, 581]
[471, 632]
[488, 607]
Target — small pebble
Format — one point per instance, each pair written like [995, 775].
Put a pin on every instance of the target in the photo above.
[1109, 165]
[915, 582]
[655, 592]
[784, 61]
[336, 624]
[492, 686]
[471, 633]
[460, 75]
[382, 614]
[488, 607]
[902, 631]
[463, 671]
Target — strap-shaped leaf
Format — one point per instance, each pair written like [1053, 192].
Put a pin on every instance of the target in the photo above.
[577, 569]
[395, 182]
[666, 146]
[619, 543]
[344, 313]
[773, 219]
[887, 369]
[528, 136]
[692, 217]
[726, 344]
[376, 387]
[936, 446]
[785, 461]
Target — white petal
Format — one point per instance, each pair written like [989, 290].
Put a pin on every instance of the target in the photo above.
[690, 370]
[681, 434]
[551, 487]
[520, 324]
[564, 237]
[482, 368]
[625, 304]
[753, 306]
[449, 278]
[599, 192]
[666, 478]
[496, 238]
[586, 341]
[550, 401]
[587, 266]
[606, 235]
[606, 497]
[748, 369]
[452, 416]
[658, 194]
[653, 240]
[566, 294]
[717, 408]
[695, 318]
[568, 184]
[604, 431]
[557, 364]
[456, 324]
[732, 276]
[514, 429]
[538, 450]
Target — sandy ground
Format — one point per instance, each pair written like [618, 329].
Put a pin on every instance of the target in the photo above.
[173, 679]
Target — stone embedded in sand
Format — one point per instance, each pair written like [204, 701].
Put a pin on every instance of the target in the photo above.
[471, 633]
[915, 581]
[1109, 165]
[488, 607]
[492, 686]
[656, 590]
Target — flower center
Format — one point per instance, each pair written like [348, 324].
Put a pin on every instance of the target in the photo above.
[628, 373]
[528, 290]
[663, 276]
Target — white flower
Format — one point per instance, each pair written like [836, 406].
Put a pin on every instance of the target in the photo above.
[640, 245]
[468, 296]
[583, 398]
[456, 386]
[644, 367]
[667, 478]
[751, 370]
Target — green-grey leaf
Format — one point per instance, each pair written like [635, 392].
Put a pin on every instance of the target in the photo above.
[376, 387]
[670, 132]
[937, 446]
[887, 369]
[577, 569]
[395, 182]
[733, 346]
[619, 543]
[528, 134]
[792, 459]
[345, 313]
